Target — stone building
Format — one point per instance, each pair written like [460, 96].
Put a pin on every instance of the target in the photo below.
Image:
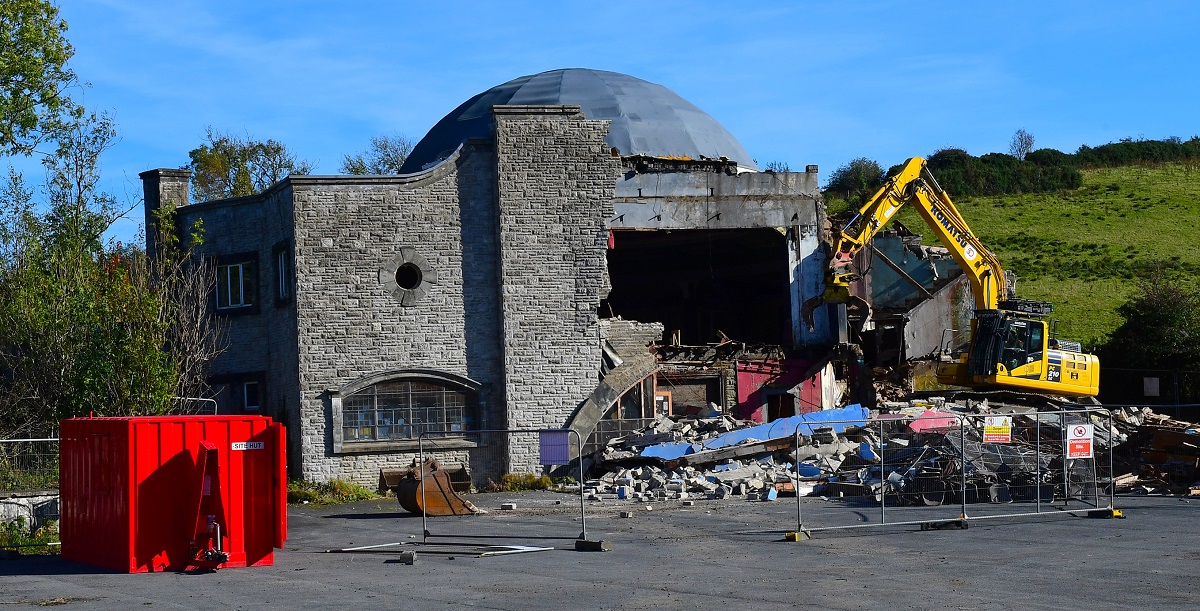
[548, 230]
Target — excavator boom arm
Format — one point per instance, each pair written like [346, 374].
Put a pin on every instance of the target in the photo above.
[915, 184]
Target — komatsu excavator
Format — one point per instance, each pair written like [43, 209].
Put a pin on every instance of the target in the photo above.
[1010, 347]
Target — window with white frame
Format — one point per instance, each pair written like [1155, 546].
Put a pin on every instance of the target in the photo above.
[403, 409]
[235, 285]
[251, 401]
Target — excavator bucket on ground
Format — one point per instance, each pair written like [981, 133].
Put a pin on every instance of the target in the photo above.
[431, 490]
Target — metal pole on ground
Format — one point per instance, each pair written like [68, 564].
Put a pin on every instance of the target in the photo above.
[962, 466]
[796, 477]
[1112, 475]
[582, 510]
[1062, 423]
[883, 479]
[421, 474]
[1037, 440]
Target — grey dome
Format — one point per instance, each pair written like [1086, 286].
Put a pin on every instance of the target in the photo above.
[647, 119]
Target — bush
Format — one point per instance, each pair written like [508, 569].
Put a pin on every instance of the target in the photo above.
[512, 482]
[333, 492]
[1128, 151]
[960, 174]
[15, 534]
[1049, 158]
[856, 180]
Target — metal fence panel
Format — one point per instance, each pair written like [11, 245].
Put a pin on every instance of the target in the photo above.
[948, 469]
[28, 464]
[524, 456]
[609, 429]
[901, 472]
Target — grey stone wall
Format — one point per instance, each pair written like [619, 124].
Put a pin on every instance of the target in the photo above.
[347, 229]
[631, 338]
[555, 180]
[261, 343]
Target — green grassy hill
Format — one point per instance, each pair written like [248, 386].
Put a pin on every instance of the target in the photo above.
[1086, 249]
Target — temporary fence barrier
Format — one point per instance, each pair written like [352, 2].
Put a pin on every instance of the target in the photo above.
[28, 464]
[608, 429]
[944, 470]
[512, 455]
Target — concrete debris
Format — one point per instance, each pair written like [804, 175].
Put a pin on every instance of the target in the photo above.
[1155, 454]
[919, 462]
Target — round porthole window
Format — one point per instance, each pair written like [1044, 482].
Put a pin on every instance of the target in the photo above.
[408, 277]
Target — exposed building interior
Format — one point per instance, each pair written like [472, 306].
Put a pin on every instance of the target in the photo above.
[704, 286]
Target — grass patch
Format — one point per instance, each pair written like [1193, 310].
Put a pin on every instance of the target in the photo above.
[513, 482]
[16, 535]
[333, 492]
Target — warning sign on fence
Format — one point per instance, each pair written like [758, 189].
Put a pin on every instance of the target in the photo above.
[997, 429]
[1079, 441]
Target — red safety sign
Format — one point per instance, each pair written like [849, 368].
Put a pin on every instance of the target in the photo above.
[1079, 441]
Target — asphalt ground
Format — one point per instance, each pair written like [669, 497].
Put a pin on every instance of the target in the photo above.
[714, 554]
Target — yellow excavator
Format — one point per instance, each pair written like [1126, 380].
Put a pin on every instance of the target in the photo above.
[1010, 347]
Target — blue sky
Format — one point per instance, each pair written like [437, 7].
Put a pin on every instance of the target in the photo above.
[799, 82]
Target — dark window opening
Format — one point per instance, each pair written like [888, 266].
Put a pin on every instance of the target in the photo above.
[779, 405]
[691, 396]
[703, 283]
[235, 394]
[283, 273]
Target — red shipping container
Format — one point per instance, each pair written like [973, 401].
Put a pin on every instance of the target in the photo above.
[161, 493]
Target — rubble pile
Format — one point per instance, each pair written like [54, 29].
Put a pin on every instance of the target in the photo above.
[911, 453]
[662, 462]
[1158, 456]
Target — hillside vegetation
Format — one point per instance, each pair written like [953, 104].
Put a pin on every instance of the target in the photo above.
[1085, 249]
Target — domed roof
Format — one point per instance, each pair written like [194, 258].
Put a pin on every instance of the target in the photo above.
[647, 119]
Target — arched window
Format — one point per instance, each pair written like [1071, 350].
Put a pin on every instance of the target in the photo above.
[403, 408]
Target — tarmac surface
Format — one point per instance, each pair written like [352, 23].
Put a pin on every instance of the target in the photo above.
[713, 554]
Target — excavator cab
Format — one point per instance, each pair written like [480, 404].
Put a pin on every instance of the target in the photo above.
[1015, 351]
[1006, 344]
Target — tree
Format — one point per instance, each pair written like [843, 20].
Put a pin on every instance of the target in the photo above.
[33, 73]
[856, 180]
[1161, 328]
[229, 166]
[88, 325]
[1022, 143]
[778, 166]
[386, 155]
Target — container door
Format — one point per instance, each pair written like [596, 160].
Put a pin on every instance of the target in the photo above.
[280, 483]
